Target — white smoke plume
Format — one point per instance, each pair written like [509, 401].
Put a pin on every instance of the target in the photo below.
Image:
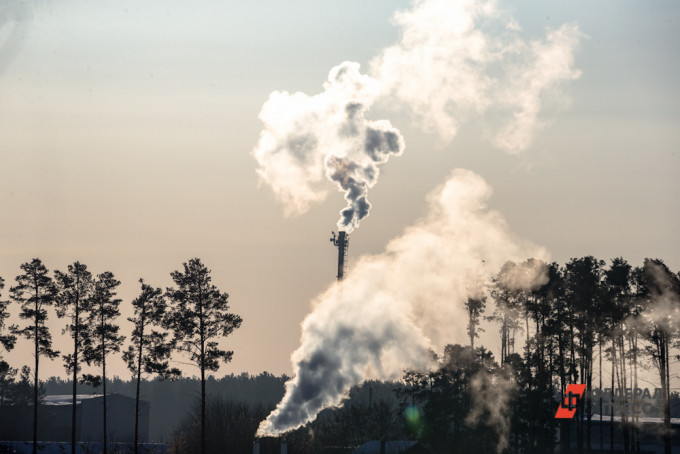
[455, 58]
[392, 308]
[664, 288]
[491, 396]
[461, 58]
[528, 275]
[310, 139]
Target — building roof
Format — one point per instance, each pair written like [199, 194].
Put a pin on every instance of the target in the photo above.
[67, 399]
[641, 419]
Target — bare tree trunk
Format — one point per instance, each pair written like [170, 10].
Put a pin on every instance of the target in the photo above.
[611, 401]
[137, 408]
[601, 409]
[563, 386]
[589, 387]
[551, 393]
[635, 441]
[472, 338]
[624, 398]
[35, 380]
[202, 409]
[504, 340]
[139, 375]
[202, 334]
[104, 377]
[666, 397]
[75, 380]
[579, 411]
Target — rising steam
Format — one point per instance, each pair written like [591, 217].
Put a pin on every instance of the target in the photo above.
[491, 396]
[465, 58]
[454, 59]
[394, 307]
[308, 139]
[528, 275]
[663, 310]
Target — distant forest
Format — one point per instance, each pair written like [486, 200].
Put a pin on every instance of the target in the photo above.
[172, 400]
[588, 322]
[264, 390]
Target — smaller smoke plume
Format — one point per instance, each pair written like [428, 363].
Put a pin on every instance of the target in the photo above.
[308, 140]
[393, 308]
[491, 396]
[528, 275]
[463, 58]
[543, 69]
[664, 288]
[15, 19]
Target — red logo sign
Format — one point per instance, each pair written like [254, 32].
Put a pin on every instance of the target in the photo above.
[572, 396]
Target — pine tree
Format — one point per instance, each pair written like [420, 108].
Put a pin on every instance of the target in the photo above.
[616, 311]
[200, 317]
[7, 342]
[583, 289]
[660, 328]
[7, 376]
[103, 338]
[75, 287]
[35, 292]
[149, 350]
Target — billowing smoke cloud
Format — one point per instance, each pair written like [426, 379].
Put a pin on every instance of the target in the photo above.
[663, 311]
[491, 395]
[15, 19]
[528, 275]
[310, 139]
[461, 58]
[454, 59]
[394, 307]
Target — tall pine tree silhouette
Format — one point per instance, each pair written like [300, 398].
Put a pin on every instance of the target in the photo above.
[150, 349]
[35, 292]
[73, 299]
[104, 338]
[200, 318]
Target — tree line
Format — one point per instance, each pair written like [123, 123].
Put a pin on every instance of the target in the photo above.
[166, 414]
[625, 317]
[190, 318]
[557, 325]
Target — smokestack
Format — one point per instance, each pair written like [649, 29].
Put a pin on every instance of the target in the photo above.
[341, 242]
[284, 447]
[256, 447]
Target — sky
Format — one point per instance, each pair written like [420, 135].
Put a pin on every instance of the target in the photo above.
[128, 130]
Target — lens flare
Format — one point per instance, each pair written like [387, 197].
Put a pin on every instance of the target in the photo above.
[412, 415]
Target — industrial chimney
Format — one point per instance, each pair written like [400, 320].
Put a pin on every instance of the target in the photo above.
[341, 242]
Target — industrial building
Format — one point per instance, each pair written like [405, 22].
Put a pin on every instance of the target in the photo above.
[54, 419]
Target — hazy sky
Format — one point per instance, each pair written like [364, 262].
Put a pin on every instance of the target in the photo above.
[127, 130]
